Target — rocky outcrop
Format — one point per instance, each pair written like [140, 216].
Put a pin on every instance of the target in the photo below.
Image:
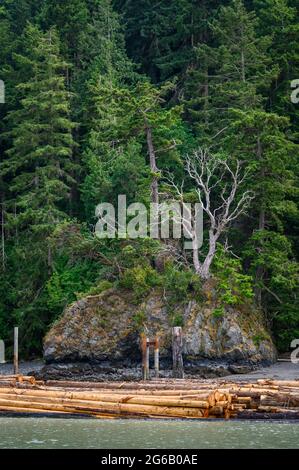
[104, 330]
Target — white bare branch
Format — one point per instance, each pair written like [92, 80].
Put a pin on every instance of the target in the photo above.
[218, 186]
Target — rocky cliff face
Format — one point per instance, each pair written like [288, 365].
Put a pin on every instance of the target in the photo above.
[105, 329]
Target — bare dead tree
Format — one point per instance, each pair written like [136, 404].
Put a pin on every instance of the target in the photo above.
[219, 190]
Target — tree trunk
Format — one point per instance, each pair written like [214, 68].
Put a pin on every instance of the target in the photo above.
[196, 262]
[243, 66]
[259, 274]
[153, 165]
[206, 98]
[205, 269]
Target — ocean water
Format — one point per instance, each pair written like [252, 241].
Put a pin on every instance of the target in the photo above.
[71, 433]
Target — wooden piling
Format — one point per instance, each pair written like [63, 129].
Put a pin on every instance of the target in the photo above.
[16, 351]
[147, 357]
[2, 352]
[156, 356]
[143, 344]
[177, 350]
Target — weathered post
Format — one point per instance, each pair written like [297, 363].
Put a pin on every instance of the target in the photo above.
[2, 352]
[16, 351]
[156, 356]
[143, 344]
[147, 358]
[177, 352]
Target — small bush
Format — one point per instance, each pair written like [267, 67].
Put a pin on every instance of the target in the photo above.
[180, 283]
[234, 287]
[176, 319]
[140, 279]
[218, 312]
[67, 281]
[258, 338]
[139, 320]
[99, 288]
[139, 252]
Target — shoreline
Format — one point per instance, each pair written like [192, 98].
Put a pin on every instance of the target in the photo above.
[280, 370]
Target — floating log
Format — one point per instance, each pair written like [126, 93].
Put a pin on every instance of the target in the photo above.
[7, 384]
[279, 383]
[105, 407]
[110, 399]
[96, 396]
[280, 399]
[18, 378]
[238, 406]
[10, 409]
[216, 410]
[130, 386]
[243, 400]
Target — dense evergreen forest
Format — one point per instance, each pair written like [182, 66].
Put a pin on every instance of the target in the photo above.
[94, 90]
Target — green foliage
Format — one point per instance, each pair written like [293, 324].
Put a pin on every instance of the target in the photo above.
[176, 319]
[68, 282]
[286, 325]
[139, 320]
[258, 338]
[140, 279]
[39, 161]
[273, 253]
[180, 283]
[218, 312]
[233, 286]
[99, 288]
[140, 252]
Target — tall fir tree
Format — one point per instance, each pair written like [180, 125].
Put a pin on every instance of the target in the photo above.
[39, 162]
[233, 71]
[36, 171]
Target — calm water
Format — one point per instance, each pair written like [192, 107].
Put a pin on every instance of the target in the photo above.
[39, 433]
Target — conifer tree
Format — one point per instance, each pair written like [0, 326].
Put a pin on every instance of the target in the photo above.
[260, 139]
[131, 121]
[279, 19]
[39, 162]
[234, 71]
[70, 20]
